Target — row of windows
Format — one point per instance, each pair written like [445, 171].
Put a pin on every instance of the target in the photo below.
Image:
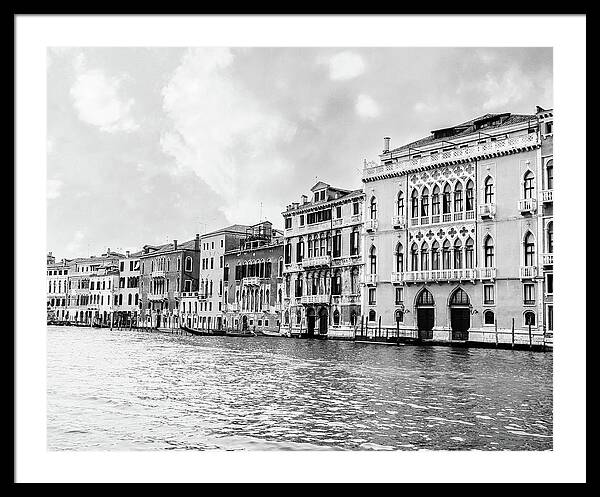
[205, 246]
[322, 215]
[57, 272]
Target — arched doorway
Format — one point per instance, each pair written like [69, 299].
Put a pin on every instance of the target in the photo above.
[425, 314]
[310, 321]
[323, 321]
[244, 323]
[460, 315]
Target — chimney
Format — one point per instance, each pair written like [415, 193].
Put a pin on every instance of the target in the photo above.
[127, 253]
[386, 144]
[304, 199]
[108, 251]
[197, 242]
[175, 244]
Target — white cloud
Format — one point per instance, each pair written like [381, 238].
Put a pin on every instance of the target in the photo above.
[98, 101]
[53, 188]
[423, 108]
[345, 65]
[222, 133]
[511, 87]
[366, 107]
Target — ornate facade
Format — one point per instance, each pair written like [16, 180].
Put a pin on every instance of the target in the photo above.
[454, 233]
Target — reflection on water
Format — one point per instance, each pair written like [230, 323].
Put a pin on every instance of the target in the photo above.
[137, 390]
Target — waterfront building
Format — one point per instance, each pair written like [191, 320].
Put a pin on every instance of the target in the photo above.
[83, 299]
[57, 275]
[210, 300]
[323, 263]
[126, 294]
[103, 285]
[453, 238]
[166, 272]
[253, 279]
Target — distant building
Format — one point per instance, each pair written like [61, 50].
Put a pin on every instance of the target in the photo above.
[57, 277]
[253, 277]
[323, 263]
[458, 233]
[126, 294]
[166, 273]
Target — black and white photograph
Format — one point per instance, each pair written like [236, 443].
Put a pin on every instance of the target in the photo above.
[272, 256]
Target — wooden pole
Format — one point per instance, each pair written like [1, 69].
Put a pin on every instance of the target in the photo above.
[496, 330]
[397, 331]
[361, 325]
[379, 327]
[512, 344]
[530, 342]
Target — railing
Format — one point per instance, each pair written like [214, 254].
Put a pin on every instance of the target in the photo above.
[458, 216]
[370, 279]
[355, 218]
[157, 274]
[187, 295]
[424, 220]
[489, 149]
[251, 281]
[487, 273]
[527, 205]
[397, 278]
[470, 215]
[446, 218]
[322, 260]
[547, 196]
[399, 222]
[487, 210]
[435, 219]
[315, 299]
[528, 271]
[233, 307]
[337, 222]
[156, 296]
[414, 221]
[440, 275]
[548, 259]
[371, 225]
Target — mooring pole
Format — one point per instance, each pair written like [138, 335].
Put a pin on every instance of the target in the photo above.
[512, 344]
[397, 331]
[530, 342]
[379, 327]
[361, 325]
[496, 330]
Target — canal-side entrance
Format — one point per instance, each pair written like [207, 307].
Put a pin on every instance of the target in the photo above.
[310, 322]
[460, 315]
[323, 316]
[425, 314]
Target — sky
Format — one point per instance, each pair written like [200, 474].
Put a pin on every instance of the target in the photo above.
[147, 145]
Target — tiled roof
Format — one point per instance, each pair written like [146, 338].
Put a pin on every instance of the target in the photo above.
[236, 228]
[469, 128]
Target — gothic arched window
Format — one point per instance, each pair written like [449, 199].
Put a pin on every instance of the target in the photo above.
[399, 258]
[458, 197]
[528, 185]
[373, 208]
[488, 190]
[414, 257]
[424, 257]
[469, 197]
[400, 207]
[458, 261]
[529, 250]
[435, 201]
[446, 260]
[446, 199]
[425, 202]
[550, 237]
[469, 254]
[373, 260]
[488, 252]
[435, 256]
[414, 204]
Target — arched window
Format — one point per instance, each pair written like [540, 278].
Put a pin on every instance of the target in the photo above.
[286, 317]
[529, 250]
[353, 316]
[469, 263]
[458, 197]
[336, 317]
[488, 252]
[528, 186]
[488, 190]
[425, 298]
[137, 299]
[469, 197]
[399, 258]
[488, 317]
[458, 261]
[373, 260]
[446, 199]
[550, 237]
[459, 297]
[446, 260]
[373, 208]
[550, 175]
[435, 201]
[188, 263]
[414, 257]
[529, 318]
[372, 315]
[424, 257]
[414, 199]
[129, 299]
[425, 202]
[435, 256]
[399, 315]
[400, 207]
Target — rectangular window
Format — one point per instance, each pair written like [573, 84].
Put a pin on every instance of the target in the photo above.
[549, 283]
[222, 242]
[288, 223]
[355, 208]
[212, 245]
[122, 266]
[529, 294]
[188, 285]
[488, 294]
[212, 262]
[550, 323]
[399, 295]
[221, 262]
[301, 219]
[338, 212]
[372, 296]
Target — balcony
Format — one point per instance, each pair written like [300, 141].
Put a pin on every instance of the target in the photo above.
[235, 307]
[370, 279]
[440, 275]
[157, 274]
[414, 221]
[399, 222]
[188, 295]
[153, 297]
[336, 222]
[548, 259]
[487, 273]
[527, 205]
[397, 278]
[315, 299]
[526, 272]
[251, 281]
[322, 260]
[487, 211]
[371, 225]
[547, 196]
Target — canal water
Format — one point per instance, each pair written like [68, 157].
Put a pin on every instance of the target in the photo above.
[138, 390]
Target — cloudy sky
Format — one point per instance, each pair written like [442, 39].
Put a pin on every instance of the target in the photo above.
[150, 144]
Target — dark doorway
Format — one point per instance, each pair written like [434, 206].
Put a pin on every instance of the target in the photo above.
[158, 320]
[460, 315]
[244, 323]
[310, 322]
[323, 321]
[425, 315]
